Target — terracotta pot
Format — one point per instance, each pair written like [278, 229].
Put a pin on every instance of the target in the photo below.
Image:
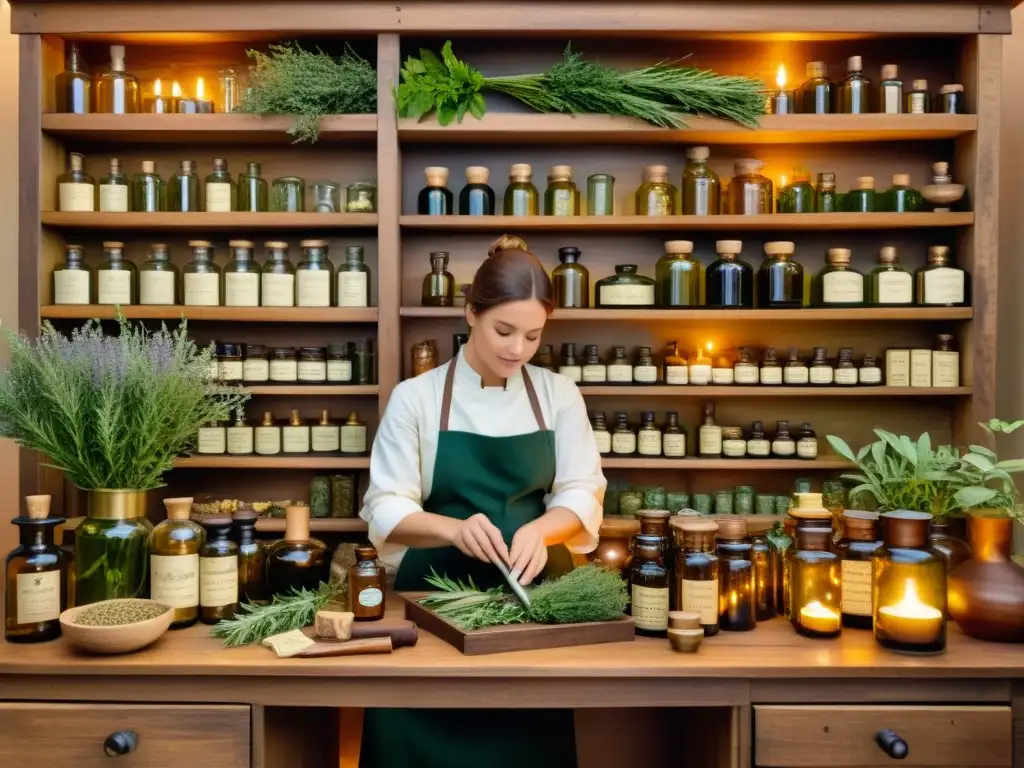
[986, 593]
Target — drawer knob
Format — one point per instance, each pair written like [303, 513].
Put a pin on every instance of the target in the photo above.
[892, 744]
[120, 743]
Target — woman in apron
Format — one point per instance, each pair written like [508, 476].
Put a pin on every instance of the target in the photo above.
[483, 459]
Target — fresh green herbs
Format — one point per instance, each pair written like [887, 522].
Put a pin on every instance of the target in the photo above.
[255, 623]
[662, 94]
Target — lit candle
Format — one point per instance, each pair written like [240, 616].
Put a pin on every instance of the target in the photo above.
[910, 620]
[816, 617]
[780, 102]
[159, 105]
[203, 105]
[185, 105]
[700, 366]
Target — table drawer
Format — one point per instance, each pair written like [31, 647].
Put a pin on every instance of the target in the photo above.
[844, 736]
[199, 736]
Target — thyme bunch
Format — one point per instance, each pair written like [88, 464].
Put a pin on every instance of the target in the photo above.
[255, 623]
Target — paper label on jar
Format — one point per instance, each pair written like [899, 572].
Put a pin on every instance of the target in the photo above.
[156, 287]
[595, 374]
[845, 376]
[70, 286]
[256, 369]
[309, 370]
[895, 288]
[645, 374]
[268, 441]
[352, 290]
[353, 439]
[627, 295]
[869, 376]
[314, 288]
[239, 440]
[648, 442]
[920, 367]
[821, 374]
[701, 597]
[734, 448]
[114, 286]
[326, 438]
[650, 607]
[603, 438]
[891, 95]
[700, 374]
[278, 290]
[620, 374]
[796, 375]
[673, 445]
[677, 375]
[571, 372]
[758, 448]
[218, 581]
[231, 370]
[783, 447]
[370, 597]
[241, 289]
[38, 597]
[339, 370]
[174, 580]
[212, 440]
[296, 439]
[945, 369]
[77, 197]
[284, 370]
[842, 287]
[202, 289]
[897, 367]
[746, 374]
[114, 198]
[710, 441]
[856, 594]
[218, 197]
[807, 448]
[722, 376]
[771, 375]
[624, 443]
[943, 285]
[917, 104]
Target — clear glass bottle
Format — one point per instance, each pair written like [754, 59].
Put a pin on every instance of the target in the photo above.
[571, 280]
[220, 193]
[218, 572]
[242, 276]
[813, 572]
[111, 546]
[296, 561]
[353, 436]
[521, 198]
[795, 374]
[569, 366]
[656, 196]
[367, 585]
[845, 373]
[240, 436]
[901, 198]
[602, 436]
[783, 444]
[353, 279]
[750, 193]
[174, 548]
[919, 100]
[869, 374]
[745, 370]
[623, 437]
[201, 286]
[477, 197]
[649, 586]
[314, 277]
[820, 371]
[677, 276]
[73, 87]
[701, 191]
[277, 281]
[807, 442]
[890, 91]
[757, 446]
[624, 290]
[295, 436]
[710, 436]
[72, 279]
[184, 189]
[594, 371]
[268, 436]
[696, 573]
[149, 192]
[361, 197]
[729, 280]
[158, 277]
[862, 198]
[737, 594]
[288, 194]
[251, 558]
[648, 437]
[771, 371]
[826, 200]
[856, 550]
[439, 284]
[76, 190]
[601, 194]
[115, 190]
[116, 281]
[561, 198]
[853, 96]
[939, 284]
[117, 92]
[620, 370]
[798, 195]
[673, 438]
[252, 192]
[325, 436]
[815, 96]
[327, 197]
[780, 280]
[838, 284]
[889, 284]
[435, 199]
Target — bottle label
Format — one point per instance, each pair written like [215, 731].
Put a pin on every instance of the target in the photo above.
[704, 197]
[563, 203]
[734, 448]
[240, 440]
[710, 440]
[70, 286]
[284, 370]
[771, 375]
[807, 448]
[268, 441]
[314, 288]
[797, 374]
[202, 290]
[312, 371]
[650, 607]
[943, 285]
[38, 597]
[339, 370]
[945, 369]
[722, 376]
[370, 597]
[595, 374]
[891, 95]
[174, 580]
[326, 438]
[759, 448]
[821, 374]
[677, 375]
[114, 286]
[645, 374]
[571, 372]
[700, 374]
[624, 443]
[296, 439]
[897, 368]
[218, 581]
[114, 198]
[212, 440]
[745, 374]
[920, 367]
[842, 287]
[75, 196]
[845, 376]
[218, 197]
[895, 287]
[241, 289]
[214, 370]
[353, 439]
[648, 442]
[627, 295]
[870, 376]
[278, 290]
[257, 369]
[784, 447]
[673, 445]
[231, 370]
[603, 438]
[352, 290]
[917, 104]
[156, 287]
[856, 594]
[701, 597]
[620, 374]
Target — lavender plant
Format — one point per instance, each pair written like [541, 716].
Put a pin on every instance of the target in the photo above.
[110, 411]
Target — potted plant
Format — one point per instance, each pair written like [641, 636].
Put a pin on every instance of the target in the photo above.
[111, 412]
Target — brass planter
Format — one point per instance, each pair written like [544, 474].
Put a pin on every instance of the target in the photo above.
[116, 504]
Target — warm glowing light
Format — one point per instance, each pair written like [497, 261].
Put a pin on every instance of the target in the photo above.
[819, 618]
[175, 89]
[782, 180]
[911, 607]
[780, 78]
[709, 346]
[733, 598]
[910, 620]
[157, 88]
[199, 89]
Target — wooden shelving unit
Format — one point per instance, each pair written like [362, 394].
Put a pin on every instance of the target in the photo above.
[316, 525]
[738, 465]
[315, 390]
[190, 223]
[729, 315]
[214, 314]
[273, 462]
[755, 392]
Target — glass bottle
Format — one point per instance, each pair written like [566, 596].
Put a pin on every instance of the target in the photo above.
[697, 573]
[240, 436]
[945, 362]
[623, 437]
[648, 437]
[750, 193]
[149, 192]
[268, 437]
[798, 195]
[676, 369]
[901, 198]
[806, 443]
[230, 366]
[72, 279]
[655, 196]
[594, 371]
[201, 277]
[174, 546]
[339, 363]
[221, 195]
[435, 199]
[354, 279]
[521, 198]
[869, 374]
[813, 587]
[252, 193]
[624, 290]
[838, 284]
[701, 192]
[710, 436]
[601, 194]
[737, 608]
[158, 277]
[117, 92]
[947, 536]
[825, 198]
[76, 190]
[73, 87]
[366, 585]
[771, 371]
[677, 276]
[757, 446]
[277, 282]
[571, 280]
[816, 92]
[242, 276]
[890, 91]
[856, 550]
[795, 373]
[325, 437]
[477, 197]
[184, 189]
[288, 195]
[845, 373]
[115, 190]
[38, 575]
[853, 96]
[783, 446]
[722, 370]
[919, 100]
[939, 283]
[602, 436]
[561, 198]
[251, 558]
[439, 284]
[765, 579]
[295, 436]
[951, 99]
[111, 545]
[649, 586]
[745, 369]
[361, 197]
[284, 365]
[861, 199]
[734, 446]
[115, 279]
[312, 365]
[570, 365]
[821, 372]
[673, 439]
[218, 572]
[620, 371]
[545, 358]
[314, 277]
[296, 561]
[889, 284]
[729, 280]
[212, 439]
[353, 436]
[780, 280]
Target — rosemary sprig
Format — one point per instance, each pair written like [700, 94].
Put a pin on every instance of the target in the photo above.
[255, 623]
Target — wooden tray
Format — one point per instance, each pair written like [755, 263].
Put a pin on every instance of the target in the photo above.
[516, 637]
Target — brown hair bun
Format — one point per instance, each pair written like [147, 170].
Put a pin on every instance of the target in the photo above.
[510, 273]
[507, 243]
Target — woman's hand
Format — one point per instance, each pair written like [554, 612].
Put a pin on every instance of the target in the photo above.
[529, 553]
[478, 537]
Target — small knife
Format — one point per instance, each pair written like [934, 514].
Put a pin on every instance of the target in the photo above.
[513, 583]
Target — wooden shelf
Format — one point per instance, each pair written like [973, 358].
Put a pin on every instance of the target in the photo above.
[619, 525]
[318, 525]
[272, 462]
[745, 465]
[315, 390]
[500, 127]
[210, 314]
[208, 222]
[758, 391]
[730, 315]
[793, 222]
[150, 129]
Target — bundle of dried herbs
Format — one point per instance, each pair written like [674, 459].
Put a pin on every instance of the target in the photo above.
[662, 94]
[255, 623]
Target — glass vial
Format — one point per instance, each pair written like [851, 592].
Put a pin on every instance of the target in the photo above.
[673, 439]
[314, 277]
[816, 92]
[242, 276]
[701, 191]
[477, 197]
[856, 550]
[252, 189]
[750, 193]
[268, 437]
[945, 362]
[919, 100]
[201, 277]
[601, 195]
[677, 276]
[594, 371]
[240, 436]
[710, 436]
[889, 284]
[366, 583]
[117, 92]
[821, 372]
[853, 94]
[602, 436]
[184, 189]
[890, 91]
[115, 279]
[295, 436]
[783, 445]
[623, 438]
[771, 371]
[571, 280]
[648, 438]
[251, 558]
[795, 374]
[521, 198]
[569, 366]
[766, 574]
[218, 572]
[620, 371]
[149, 192]
[221, 194]
[807, 442]
[325, 436]
[353, 436]
[353, 279]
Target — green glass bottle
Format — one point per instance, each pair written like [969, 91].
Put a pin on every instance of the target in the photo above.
[939, 283]
[826, 199]
[853, 97]
[185, 189]
[438, 284]
[816, 92]
[838, 284]
[149, 193]
[561, 198]
[798, 195]
[624, 290]
[115, 190]
[701, 191]
[252, 192]
[571, 280]
[890, 91]
[677, 276]
[201, 284]
[861, 199]
[780, 280]
[889, 284]
[158, 277]
[901, 198]
[655, 196]
[353, 279]
[521, 198]
[220, 193]
[242, 276]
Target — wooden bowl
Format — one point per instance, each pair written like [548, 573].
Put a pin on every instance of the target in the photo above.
[120, 639]
[685, 640]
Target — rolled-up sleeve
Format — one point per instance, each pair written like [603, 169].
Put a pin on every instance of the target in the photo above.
[579, 482]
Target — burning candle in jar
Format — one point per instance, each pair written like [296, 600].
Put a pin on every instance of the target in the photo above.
[160, 104]
[183, 103]
[819, 618]
[203, 105]
[910, 620]
[781, 102]
[700, 365]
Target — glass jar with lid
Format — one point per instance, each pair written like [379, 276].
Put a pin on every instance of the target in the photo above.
[116, 277]
[312, 365]
[649, 586]
[72, 280]
[477, 197]
[656, 196]
[314, 277]
[677, 276]
[438, 284]
[838, 284]
[241, 276]
[561, 198]
[158, 277]
[353, 279]
[230, 369]
[339, 363]
[288, 194]
[737, 606]
[750, 192]
[284, 365]
[856, 551]
[521, 197]
[256, 365]
[624, 290]
[814, 588]
[277, 283]
[361, 197]
[697, 572]
[202, 277]
[327, 197]
[252, 189]
[771, 371]
[701, 191]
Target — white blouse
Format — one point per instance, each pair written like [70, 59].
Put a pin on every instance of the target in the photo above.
[405, 448]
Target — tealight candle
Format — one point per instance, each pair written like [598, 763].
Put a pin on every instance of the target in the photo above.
[781, 102]
[160, 104]
[819, 618]
[700, 366]
[910, 620]
[203, 106]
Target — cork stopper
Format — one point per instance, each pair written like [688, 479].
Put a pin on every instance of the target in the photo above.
[117, 57]
[112, 245]
[199, 243]
[477, 174]
[890, 71]
[220, 164]
[276, 245]
[325, 417]
[941, 169]
[178, 509]
[186, 166]
[728, 247]
[521, 172]
[694, 525]
[37, 507]
[951, 88]
[854, 64]
[901, 179]
[76, 161]
[655, 515]
[801, 175]
[920, 85]
[906, 528]
[115, 165]
[437, 176]
[938, 254]
[679, 246]
[816, 69]
[779, 247]
[268, 419]
[887, 255]
[240, 244]
[655, 173]
[312, 244]
[839, 255]
[731, 528]
[747, 167]
[809, 507]
[698, 153]
[295, 420]
[148, 166]
[560, 173]
[296, 523]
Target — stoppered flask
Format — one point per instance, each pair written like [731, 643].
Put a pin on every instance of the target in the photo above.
[116, 281]
[438, 284]
[889, 284]
[149, 192]
[571, 280]
[218, 572]
[729, 280]
[816, 92]
[677, 276]
[435, 199]
[117, 92]
[561, 198]
[939, 283]
[184, 189]
[72, 279]
[890, 91]
[737, 601]
[366, 585]
[780, 280]
[314, 276]
[655, 196]
[76, 190]
[251, 560]
[201, 277]
[649, 586]
[477, 197]
[277, 281]
[701, 192]
[856, 550]
[521, 198]
[750, 193]
[242, 276]
[813, 586]
[220, 192]
[73, 86]
[826, 200]
[115, 190]
[158, 277]
[297, 561]
[853, 96]
[252, 193]
[838, 284]
[174, 546]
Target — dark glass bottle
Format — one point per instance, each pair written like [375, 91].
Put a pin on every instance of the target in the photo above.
[570, 365]
[296, 561]
[645, 371]
[807, 442]
[545, 358]
[845, 374]
[820, 372]
[73, 87]
[436, 199]
[594, 371]
[673, 438]
[648, 438]
[174, 546]
[765, 576]
[771, 371]
[795, 373]
[813, 602]
[780, 280]
[853, 96]
[826, 200]
[856, 550]
[623, 438]
[184, 189]
[757, 446]
[901, 197]
[602, 436]
[697, 573]
[816, 92]
[737, 603]
[677, 276]
[783, 446]
[366, 586]
[218, 572]
[619, 369]
[838, 284]
[919, 100]
[889, 284]
[477, 198]
[951, 99]
[624, 290]
[439, 284]
[862, 198]
[649, 586]
[797, 196]
[729, 280]
[251, 565]
[571, 280]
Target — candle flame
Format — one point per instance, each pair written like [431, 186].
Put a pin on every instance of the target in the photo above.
[733, 599]
[175, 90]
[157, 88]
[911, 606]
[817, 610]
[199, 89]
[780, 78]
[709, 346]
[782, 180]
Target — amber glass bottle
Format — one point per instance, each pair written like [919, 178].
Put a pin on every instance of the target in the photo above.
[813, 574]
[750, 193]
[521, 198]
[701, 192]
[696, 573]
[677, 276]
[765, 578]
[251, 560]
[366, 587]
[737, 603]
[296, 561]
[856, 550]
[649, 586]
[438, 284]
[656, 196]
[174, 546]
[571, 280]
[218, 572]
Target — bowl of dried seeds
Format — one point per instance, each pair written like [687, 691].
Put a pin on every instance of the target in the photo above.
[116, 626]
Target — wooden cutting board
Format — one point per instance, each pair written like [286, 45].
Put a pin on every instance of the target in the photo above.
[516, 637]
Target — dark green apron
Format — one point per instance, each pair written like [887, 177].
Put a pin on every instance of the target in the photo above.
[505, 478]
